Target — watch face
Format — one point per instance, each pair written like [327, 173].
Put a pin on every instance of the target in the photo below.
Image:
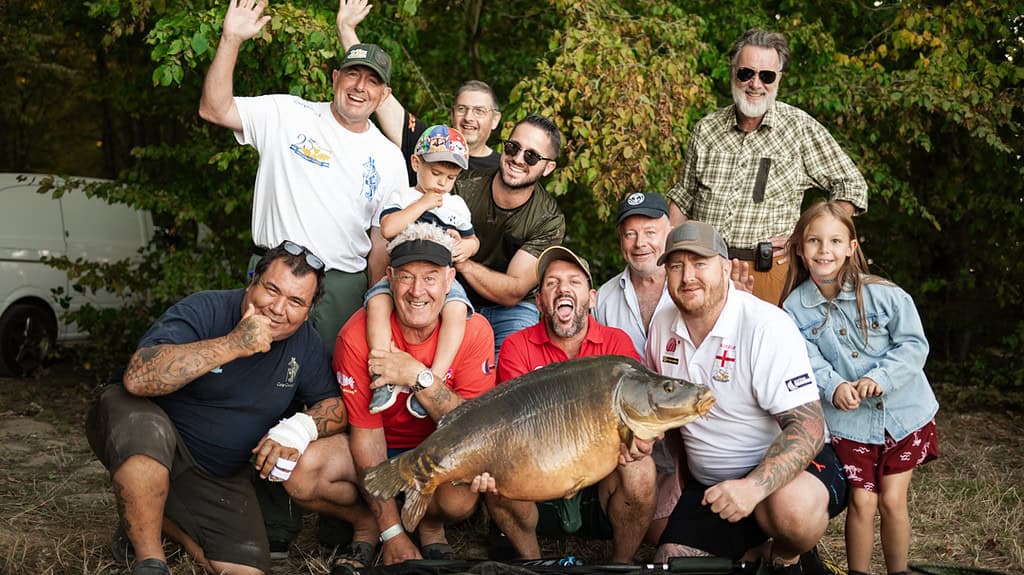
[425, 379]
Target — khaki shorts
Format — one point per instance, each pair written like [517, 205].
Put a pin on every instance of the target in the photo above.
[220, 513]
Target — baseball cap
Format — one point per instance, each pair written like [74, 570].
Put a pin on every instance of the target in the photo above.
[642, 204]
[370, 55]
[443, 144]
[564, 254]
[697, 237]
[420, 251]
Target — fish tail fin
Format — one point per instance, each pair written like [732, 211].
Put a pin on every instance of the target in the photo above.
[384, 480]
[416, 503]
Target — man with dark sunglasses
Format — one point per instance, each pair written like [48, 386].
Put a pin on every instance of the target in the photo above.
[200, 407]
[516, 220]
[474, 111]
[748, 165]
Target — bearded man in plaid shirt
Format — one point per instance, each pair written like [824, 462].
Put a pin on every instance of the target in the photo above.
[749, 164]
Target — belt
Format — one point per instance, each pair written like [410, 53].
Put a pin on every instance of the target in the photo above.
[745, 254]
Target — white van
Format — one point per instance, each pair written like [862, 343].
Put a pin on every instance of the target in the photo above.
[33, 225]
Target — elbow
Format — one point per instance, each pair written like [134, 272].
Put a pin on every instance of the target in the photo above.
[206, 112]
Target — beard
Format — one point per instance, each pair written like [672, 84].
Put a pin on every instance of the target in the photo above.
[526, 181]
[752, 109]
[714, 295]
[577, 323]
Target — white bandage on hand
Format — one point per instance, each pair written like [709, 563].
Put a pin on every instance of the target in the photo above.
[296, 432]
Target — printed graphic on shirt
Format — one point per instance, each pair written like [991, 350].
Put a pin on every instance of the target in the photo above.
[345, 382]
[486, 367]
[798, 382]
[310, 150]
[725, 361]
[371, 179]
[289, 378]
[671, 356]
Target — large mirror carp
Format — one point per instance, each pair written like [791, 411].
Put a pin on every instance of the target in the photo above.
[543, 435]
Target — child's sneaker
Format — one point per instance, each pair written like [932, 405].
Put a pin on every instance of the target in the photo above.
[383, 398]
[415, 407]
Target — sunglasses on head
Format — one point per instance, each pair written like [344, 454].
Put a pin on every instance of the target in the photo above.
[766, 76]
[511, 149]
[296, 250]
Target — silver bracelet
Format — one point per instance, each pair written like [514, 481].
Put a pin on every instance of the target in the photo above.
[391, 532]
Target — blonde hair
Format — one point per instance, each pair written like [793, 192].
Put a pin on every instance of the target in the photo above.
[854, 272]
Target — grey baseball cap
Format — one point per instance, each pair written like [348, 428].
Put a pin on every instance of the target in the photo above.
[697, 237]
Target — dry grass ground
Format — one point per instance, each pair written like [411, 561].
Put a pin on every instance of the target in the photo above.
[57, 512]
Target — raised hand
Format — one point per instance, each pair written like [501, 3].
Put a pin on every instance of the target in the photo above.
[351, 13]
[244, 19]
[252, 334]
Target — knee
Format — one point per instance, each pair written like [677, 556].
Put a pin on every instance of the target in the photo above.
[892, 505]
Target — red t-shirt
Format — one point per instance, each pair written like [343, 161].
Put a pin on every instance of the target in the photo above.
[471, 374]
[531, 348]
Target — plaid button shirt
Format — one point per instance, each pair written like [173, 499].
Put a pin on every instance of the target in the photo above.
[790, 148]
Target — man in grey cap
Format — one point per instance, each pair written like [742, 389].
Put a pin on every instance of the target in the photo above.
[324, 174]
[761, 467]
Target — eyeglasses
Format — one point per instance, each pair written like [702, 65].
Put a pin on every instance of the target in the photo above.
[511, 149]
[767, 76]
[296, 250]
[478, 111]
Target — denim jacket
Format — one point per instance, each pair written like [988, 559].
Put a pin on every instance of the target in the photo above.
[893, 356]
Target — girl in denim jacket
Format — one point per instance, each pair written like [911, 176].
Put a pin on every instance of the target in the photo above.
[868, 349]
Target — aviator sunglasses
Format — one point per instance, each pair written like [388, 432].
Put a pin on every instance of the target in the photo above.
[296, 250]
[767, 76]
[512, 147]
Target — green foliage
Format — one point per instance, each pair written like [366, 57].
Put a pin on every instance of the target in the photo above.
[928, 99]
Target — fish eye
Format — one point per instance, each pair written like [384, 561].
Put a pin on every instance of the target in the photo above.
[669, 387]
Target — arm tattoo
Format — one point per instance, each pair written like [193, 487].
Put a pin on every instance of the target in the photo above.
[165, 368]
[441, 395]
[802, 437]
[329, 415]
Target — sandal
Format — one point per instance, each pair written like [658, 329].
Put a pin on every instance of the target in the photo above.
[357, 555]
[438, 551]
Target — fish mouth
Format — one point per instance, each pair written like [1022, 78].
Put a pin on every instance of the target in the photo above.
[704, 403]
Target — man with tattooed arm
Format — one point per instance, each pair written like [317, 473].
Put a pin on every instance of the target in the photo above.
[199, 407]
[762, 482]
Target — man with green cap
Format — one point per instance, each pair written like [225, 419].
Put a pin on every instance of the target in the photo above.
[324, 175]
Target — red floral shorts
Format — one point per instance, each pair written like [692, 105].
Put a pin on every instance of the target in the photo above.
[865, 464]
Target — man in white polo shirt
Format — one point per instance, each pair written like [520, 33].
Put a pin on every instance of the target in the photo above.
[757, 460]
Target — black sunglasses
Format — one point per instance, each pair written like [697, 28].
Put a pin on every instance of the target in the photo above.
[511, 149]
[767, 76]
[296, 250]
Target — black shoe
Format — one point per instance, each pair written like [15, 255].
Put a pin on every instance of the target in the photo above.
[279, 549]
[812, 564]
[769, 568]
[151, 566]
[499, 548]
[121, 547]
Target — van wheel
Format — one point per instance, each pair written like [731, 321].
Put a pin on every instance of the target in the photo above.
[27, 334]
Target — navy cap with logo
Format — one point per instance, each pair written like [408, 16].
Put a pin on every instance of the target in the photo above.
[697, 237]
[642, 204]
[370, 55]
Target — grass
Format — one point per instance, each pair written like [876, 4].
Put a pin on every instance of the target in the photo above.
[57, 511]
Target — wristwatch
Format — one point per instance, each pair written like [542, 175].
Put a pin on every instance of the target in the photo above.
[424, 380]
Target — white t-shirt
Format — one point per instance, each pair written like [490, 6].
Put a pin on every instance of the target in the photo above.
[318, 184]
[755, 362]
[618, 306]
[452, 215]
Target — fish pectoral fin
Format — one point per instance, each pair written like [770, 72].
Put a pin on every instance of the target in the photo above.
[626, 434]
[579, 485]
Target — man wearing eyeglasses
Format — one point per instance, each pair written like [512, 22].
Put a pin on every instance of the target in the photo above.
[325, 170]
[748, 165]
[474, 112]
[198, 408]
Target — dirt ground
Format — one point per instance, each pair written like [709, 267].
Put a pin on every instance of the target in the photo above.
[57, 512]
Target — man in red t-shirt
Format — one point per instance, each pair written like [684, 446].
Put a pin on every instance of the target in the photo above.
[621, 505]
[420, 275]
